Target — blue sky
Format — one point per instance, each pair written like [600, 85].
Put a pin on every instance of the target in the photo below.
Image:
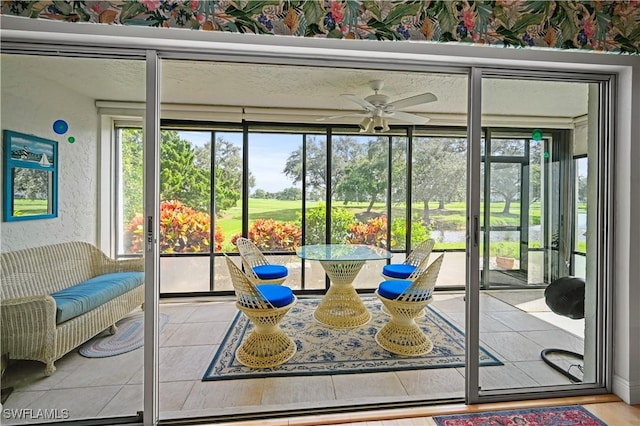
[268, 153]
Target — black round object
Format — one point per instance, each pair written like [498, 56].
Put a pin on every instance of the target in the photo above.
[565, 296]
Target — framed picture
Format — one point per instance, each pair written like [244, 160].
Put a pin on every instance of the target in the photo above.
[30, 177]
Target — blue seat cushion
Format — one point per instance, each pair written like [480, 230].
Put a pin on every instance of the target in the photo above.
[270, 272]
[398, 270]
[392, 289]
[277, 295]
[81, 298]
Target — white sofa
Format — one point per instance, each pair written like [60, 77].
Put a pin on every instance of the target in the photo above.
[40, 320]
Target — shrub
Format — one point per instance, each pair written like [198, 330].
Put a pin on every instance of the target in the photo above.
[419, 232]
[341, 222]
[271, 235]
[182, 230]
[374, 232]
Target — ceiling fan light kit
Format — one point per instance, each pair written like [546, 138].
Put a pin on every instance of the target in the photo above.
[377, 108]
[380, 124]
[365, 124]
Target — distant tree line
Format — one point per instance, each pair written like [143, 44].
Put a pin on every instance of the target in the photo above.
[359, 173]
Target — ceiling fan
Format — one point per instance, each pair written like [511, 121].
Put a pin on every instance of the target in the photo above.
[377, 109]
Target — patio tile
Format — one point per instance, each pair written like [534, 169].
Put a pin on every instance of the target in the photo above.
[449, 303]
[213, 312]
[556, 339]
[21, 399]
[128, 401]
[520, 321]
[91, 372]
[168, 330]
[491, 304]
[543, 374]
[178, 312]
[29, 375]
[184, 362]
[528, 301]
[191, 337]
[575, 327]
[506, 376]
[172, 395]
[352, 386]
[511, 346]
[436, 383]
[224, 393]
[80, 403]
[487, 323]
[197, 333]
[288, 390]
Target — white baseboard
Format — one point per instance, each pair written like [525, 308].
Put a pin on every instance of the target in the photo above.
[629, 392]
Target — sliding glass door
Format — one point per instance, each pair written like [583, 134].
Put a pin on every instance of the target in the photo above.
[540, 310]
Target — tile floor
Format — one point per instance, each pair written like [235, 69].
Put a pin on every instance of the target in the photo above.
[511, 327]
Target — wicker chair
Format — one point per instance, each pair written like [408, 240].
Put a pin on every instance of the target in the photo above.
[265, 305]
[405, 300]
[411, 268]
[256, 265]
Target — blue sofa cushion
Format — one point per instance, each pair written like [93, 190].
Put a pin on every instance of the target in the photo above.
[81, 298]
[277, 295]
[270, 272]
[398, 270]
[392, 289]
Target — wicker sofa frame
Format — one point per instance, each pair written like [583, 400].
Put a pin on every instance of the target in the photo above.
[28, 312]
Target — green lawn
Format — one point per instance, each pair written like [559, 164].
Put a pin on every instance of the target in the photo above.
[453, 217]
[24, 207]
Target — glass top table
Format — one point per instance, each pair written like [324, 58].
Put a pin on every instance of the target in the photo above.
[342, 252]
[341, 306]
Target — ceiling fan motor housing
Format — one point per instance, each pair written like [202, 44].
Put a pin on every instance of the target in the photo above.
[377, 100]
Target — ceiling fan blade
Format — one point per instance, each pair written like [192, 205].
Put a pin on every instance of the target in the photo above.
[333, 117]
[362, 102]
[413, 100]
[410, 118]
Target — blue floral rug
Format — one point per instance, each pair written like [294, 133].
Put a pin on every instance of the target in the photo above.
[322, 350]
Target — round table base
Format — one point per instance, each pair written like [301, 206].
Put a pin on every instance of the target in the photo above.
[342, 307]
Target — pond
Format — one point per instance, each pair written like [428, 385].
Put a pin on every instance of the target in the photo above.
[497, 236]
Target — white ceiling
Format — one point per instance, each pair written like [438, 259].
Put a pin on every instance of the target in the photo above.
[291, 87]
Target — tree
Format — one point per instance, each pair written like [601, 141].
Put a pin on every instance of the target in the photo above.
[32, 184]
[180, 178]
[505, 177]
[260, 193]
[131, 145]
[506, 183]
[438, 168]
[582, 189]
[398, 170]
[184, 172]
[227, 170]
[345, 151]
[316, 157]
[366, 178]
[291, 194]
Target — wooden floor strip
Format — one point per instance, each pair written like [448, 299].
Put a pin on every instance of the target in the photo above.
[600, 404]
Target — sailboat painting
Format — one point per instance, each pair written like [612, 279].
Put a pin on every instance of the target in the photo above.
[44, 161]
[30, 177]
[33, 149]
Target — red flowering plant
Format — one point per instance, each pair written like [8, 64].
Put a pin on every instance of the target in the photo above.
[373, 233]
[271, 235]
[182, 230]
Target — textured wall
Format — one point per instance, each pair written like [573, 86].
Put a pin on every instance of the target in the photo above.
[30, 105]
[608, 25]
